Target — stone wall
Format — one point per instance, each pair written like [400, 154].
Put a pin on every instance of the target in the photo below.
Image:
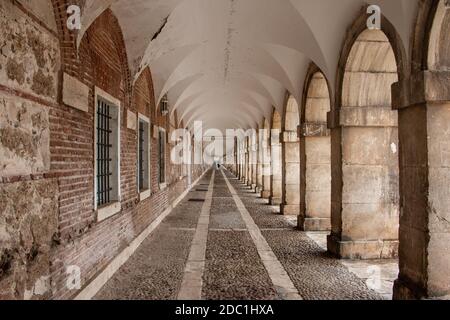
[24, 137]
[29, 66]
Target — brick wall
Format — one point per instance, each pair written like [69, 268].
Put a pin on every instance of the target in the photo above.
[78, 239]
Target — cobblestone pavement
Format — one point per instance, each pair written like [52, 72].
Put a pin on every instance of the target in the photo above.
[155, 270]
[315, 274]
[233, 268]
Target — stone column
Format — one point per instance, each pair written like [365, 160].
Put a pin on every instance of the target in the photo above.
[276, 181]
[291, 173]
[266, 165]
[424, 133]
[242, 177]
[241, 162]
[259, 169]
[254, 152]
[235, 157]
[365, 204]
[247, 161]
[315, 167]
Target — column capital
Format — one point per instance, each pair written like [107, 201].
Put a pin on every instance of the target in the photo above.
[420, 88]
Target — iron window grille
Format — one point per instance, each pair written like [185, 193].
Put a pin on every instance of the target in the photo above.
[141, 155]
[143, 169]
[162, 156]
[104, 148]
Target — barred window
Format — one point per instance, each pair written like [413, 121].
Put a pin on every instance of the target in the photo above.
[107, 153]
[143, 154]
[162, 156]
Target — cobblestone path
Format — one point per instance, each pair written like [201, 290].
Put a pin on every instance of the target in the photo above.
[216, 246]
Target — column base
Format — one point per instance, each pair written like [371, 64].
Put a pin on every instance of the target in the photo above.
[265, 194]
[290, 209]
[314, 224]
[274, 201]
[362, 250]
[407, 290]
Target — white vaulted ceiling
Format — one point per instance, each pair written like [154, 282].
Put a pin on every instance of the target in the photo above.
[227, 62]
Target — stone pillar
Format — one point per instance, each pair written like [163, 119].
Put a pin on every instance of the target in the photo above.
[241, 162]
[259, 174]
[276, 181]
[266, 165]
[247, 162]
[315, 170]
[424, 133]
[242, 176]
[291, 173]
[235, 158]
[365, 204]
[254, 153]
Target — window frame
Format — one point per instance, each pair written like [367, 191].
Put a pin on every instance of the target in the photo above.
[144, 193]
[114, 206]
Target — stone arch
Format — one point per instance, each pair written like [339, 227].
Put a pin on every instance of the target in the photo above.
[290, 157]
[315, 148]
[365, 191]
[424, 126]
[276, 151]
[438, 55]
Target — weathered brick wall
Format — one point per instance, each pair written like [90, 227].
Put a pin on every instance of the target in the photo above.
[56, 157]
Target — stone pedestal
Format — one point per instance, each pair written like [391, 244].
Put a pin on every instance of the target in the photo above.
[364, 249]
[313, 224]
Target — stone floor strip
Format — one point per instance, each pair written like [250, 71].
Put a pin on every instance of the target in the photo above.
[191, 287]
[276, 271]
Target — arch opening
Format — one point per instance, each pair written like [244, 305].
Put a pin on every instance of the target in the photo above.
[316, 146]
[365, 223]
[291, 158]
[276, 150]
